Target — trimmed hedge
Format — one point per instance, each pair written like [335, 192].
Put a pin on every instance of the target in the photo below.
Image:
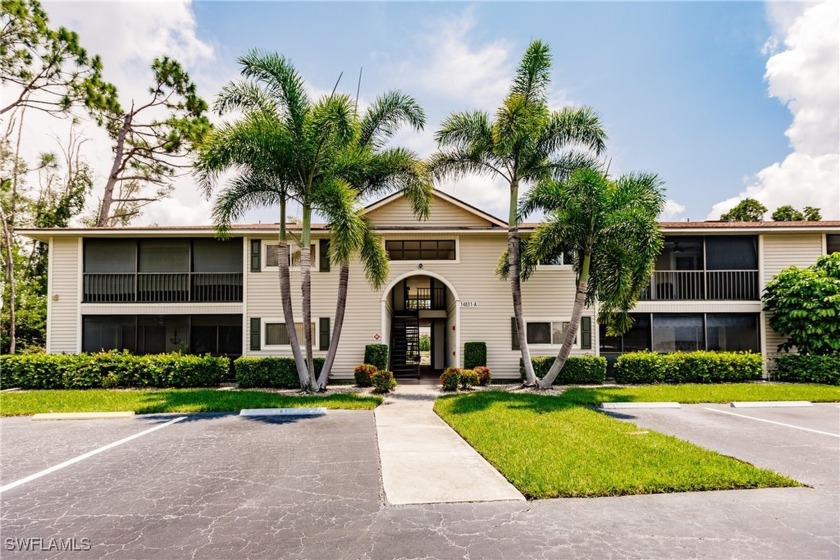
[110, 370]
[475, 354]
[687, 367]
[578, 370]
[275, 373]
[377, 355]
[810, 368]
[383, 381]
[362, 374]
[449, 378]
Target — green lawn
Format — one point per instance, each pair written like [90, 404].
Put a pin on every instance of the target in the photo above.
[170, 400]
[709, 393]
[549, 446]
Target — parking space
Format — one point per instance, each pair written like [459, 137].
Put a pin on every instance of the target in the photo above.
[803, 443]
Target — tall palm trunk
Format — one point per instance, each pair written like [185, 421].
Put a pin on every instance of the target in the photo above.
[340, 305]
[286, 300]
[306, 293]
[571, 331]
[516, 284]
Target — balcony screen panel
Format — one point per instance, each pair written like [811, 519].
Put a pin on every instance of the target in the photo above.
[832, 244]
[638, 337]
[608, 343]
[735, 331]
[210, 255]
[732, 253]
[109, 332]
[681, 253]
[164, 255]
[677, 332]
[110, 255]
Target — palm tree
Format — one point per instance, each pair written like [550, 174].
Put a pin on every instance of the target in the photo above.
[611, 230]
[283, 149]
[371, 169]
[525, 143]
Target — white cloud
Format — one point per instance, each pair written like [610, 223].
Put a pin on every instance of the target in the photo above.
[804, 73]
[673, 211]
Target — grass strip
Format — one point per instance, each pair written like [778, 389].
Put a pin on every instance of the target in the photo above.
[170, 400]
[550, 447]
[705, 393]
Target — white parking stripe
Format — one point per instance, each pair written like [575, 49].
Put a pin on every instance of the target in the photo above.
[84, 456]
[773, 422]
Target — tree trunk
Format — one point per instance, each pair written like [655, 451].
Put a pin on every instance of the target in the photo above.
[10, 280]
[286, 299]
[108, 195]
[516, 284]
[306, 294]
[341, 304]
[572, 330]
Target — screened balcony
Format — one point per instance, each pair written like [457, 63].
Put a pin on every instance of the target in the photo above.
[162, 271]
[706, 268]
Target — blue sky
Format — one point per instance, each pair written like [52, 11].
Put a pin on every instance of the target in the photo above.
[684, 88]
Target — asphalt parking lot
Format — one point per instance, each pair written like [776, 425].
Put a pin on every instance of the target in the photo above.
[222, 486]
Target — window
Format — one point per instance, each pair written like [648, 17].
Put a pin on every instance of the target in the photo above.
[431, 250]
[563, 259]
[109, 332]
[272, 255]
[732, 331]
[678, 332]
[277, 335]
[832, 244]
[547, 332]
[637, 338]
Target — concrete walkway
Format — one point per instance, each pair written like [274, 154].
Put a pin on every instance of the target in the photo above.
[424, 461]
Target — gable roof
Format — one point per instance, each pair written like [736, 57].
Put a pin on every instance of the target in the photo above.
[473, 217]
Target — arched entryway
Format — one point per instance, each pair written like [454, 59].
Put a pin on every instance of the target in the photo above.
[415, 302]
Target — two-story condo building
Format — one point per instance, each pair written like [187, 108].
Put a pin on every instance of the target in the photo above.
[161, 289]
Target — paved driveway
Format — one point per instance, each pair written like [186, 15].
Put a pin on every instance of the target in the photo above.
[220, 486]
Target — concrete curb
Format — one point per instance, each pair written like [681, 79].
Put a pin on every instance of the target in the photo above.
[771, 404]
[289, 412]
[82, 415]
[631, 405]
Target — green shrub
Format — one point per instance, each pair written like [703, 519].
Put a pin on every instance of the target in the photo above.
[383, 381]
[468, 379]
[475, 354]
[811, 368]
[276, 373]
[484, 375]
[362, 374]
[377, 355]
[687, 367]
[578, 370]
[110, 370]
[450, 378]
[425, 343]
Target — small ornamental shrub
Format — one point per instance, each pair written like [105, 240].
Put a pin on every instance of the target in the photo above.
[811, 368]
[475, 354]
[275, 373]
[377, 355]
[450, 378]
[383, 381]
[362, 374]
[484, 375]
[578, 370]
[468, 379]
[687, 367]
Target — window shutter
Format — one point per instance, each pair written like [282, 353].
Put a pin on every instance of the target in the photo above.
[324, 333]
[514, 335]
[256, 255]
[586, 333]
[256, 337]
[324, 257]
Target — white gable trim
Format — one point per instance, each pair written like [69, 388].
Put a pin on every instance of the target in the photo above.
[443, 196]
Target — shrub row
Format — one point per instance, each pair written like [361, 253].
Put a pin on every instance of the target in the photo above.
[452, 377]
[809, 368]
[687, 367]
[276, 373]
[110, 370]
[578, 370]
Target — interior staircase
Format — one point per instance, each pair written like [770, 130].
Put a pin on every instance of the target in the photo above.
[405, 345]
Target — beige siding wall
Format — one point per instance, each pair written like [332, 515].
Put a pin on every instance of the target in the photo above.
[64, 335]
[443, 213]
[781, 251]
[547, 295]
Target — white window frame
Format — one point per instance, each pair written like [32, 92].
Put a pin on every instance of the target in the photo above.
[274, 320]
[563, 266]
[551, 321]
[426, 238]
[314, 257]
